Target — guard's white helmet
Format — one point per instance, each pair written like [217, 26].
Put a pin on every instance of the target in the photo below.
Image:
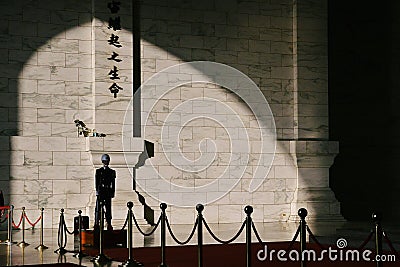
[105, 157]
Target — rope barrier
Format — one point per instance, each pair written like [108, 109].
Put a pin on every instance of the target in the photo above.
[16, 226]
[200, 220]
[141, 231]
[223, 241]
[390, 244]
[130, 262]
[62, 230]
[61, 237]
[124, 226]
[176, 239]
[296, 235]
[314, 238]
[23, 215]
[125, 223]
[66, 229]
[362, 246]
[32, 224]
[23, 244]
[256, 233]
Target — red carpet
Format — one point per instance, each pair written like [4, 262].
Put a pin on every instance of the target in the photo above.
[233, 255]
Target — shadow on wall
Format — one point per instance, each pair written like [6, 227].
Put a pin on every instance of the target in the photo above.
[192, 30]
[26, 27]
[180, 29]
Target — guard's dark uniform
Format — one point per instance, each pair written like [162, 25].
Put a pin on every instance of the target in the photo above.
[105, 191]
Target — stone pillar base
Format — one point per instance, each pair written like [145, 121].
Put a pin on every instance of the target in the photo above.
[313, 159]
[321, 204]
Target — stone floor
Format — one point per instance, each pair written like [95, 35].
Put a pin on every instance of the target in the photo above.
[326, 232]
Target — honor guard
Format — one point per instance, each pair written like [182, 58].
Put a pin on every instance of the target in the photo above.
[105, 190]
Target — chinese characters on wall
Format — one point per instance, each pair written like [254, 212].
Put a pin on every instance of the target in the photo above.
[114, 25]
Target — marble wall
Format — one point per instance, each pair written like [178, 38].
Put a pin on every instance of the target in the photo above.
[60, 73]
[282, 47]
[55, 69]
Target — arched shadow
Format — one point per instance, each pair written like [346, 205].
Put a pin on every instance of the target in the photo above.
[187, 30]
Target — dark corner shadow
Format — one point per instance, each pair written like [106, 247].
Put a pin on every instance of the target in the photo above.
[363, 107]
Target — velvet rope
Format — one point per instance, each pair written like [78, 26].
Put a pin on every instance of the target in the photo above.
[141, 231]
[371, 233]
[125, 223]
[19, 223]
[66, 229]
[390, 244]
[256, 233]
[176, 239]
[224, 241]
[314, 238]
[294, 239]
[33, 224]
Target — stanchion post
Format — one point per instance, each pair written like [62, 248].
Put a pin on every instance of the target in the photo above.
[163, 207]
[200, 208]
[61, 247]
[80, 254]
[23, 244]
[303, 234]
[130, 228]
[130, 262]
[248, 210]
[377, 217]
[9, 256]
[41, 246]
[10, 226]
[101, 258]
[9, 241]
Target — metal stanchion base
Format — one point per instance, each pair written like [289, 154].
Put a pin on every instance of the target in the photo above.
[61, 251]
[22, 244]
[8, 243]
[101, 258]
[163, 265]
[131, 263]
[41, 247]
